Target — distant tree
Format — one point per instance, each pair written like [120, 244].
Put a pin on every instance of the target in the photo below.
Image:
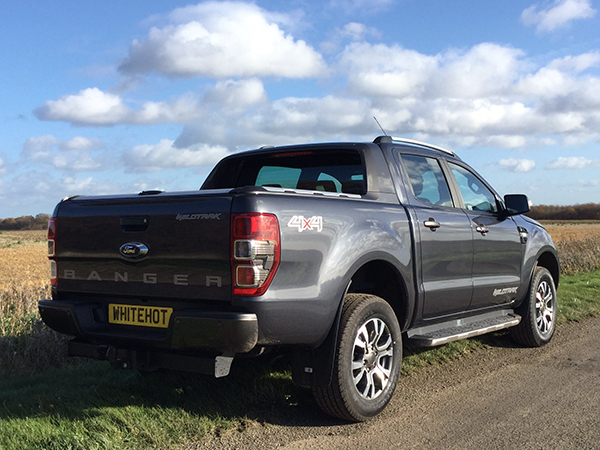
[39, 222]
[587, 211]
[9, 224]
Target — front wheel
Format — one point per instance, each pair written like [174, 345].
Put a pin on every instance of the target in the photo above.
[538, 311]
[367, 362]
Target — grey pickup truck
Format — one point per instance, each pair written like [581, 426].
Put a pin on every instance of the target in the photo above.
[336, 252]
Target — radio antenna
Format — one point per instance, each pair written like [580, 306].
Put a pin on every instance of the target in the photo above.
[380, 125]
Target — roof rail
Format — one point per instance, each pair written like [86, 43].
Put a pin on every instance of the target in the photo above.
[391, 140]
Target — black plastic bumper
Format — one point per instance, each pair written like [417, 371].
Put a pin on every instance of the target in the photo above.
[189, 329]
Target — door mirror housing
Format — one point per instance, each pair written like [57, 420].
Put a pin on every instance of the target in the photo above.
[516, 204]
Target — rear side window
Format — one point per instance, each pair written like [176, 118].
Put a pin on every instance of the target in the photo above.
[427, 180]
[339, 171]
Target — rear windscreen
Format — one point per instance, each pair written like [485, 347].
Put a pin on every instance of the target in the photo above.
[339, 171]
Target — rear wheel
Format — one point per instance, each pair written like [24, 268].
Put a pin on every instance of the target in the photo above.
[538, 311]
[368, 360]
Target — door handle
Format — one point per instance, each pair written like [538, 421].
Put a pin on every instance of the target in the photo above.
[432, 224]
[482, 229]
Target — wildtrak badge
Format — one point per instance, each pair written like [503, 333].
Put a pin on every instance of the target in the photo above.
[202, 216]
[505, 291]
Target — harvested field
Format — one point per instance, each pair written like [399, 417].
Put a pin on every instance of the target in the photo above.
[572, 231]
[578, 245]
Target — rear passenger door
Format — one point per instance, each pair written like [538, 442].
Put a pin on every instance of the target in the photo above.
[445, 238]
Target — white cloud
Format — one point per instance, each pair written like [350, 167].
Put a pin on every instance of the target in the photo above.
[90, 106]
[164, 155]
[577, 63]
[504, 141]
[381, 70]
[573, 162]
[76, 154]
[94, 107]
[223, 39]
[559, 15]
[517, 165]
[236, 96]
[3, 169]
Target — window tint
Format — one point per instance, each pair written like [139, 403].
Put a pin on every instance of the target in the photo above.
[277, 176]
[427, 180]
[476, 195]
[315, 170]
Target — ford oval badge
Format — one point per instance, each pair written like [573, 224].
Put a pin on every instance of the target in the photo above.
[134, 250]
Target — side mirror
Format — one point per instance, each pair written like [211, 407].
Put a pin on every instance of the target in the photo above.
[516, 204]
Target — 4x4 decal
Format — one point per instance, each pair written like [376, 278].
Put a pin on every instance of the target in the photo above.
[314, 223]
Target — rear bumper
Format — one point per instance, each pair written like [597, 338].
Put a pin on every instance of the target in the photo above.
[189, 330]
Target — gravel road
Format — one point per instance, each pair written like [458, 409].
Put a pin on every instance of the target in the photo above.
[498, 398]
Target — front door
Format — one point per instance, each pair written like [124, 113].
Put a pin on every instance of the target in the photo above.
[497, 248]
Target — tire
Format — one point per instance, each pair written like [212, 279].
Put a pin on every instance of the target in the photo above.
[538, 311]
[367, 360]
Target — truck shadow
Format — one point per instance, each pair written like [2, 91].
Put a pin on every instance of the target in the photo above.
[258, 389]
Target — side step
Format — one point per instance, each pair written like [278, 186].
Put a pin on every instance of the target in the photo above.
[442, 333]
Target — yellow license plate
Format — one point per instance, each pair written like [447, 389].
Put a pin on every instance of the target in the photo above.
[143, 316]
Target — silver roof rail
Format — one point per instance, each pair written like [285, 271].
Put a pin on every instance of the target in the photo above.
[391, 139]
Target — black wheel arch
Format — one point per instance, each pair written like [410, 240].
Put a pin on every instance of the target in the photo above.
[379, 277]
[550, 261]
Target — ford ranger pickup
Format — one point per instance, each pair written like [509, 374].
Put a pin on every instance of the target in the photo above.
[338, 253]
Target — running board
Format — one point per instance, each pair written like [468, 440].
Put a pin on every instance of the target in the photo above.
[455, 330]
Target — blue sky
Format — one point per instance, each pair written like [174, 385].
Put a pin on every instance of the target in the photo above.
[120, 96]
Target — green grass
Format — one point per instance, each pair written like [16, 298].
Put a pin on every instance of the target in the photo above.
[579, 297]
[96, 407]
[92, 406]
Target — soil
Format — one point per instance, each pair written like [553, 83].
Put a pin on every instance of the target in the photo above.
[496, 398]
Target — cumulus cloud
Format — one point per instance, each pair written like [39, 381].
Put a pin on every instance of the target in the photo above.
[517, 165]
[561, 14]
[236, 96]
[90, 106]
[393, 71]
[572, 162]
[223, 39]
[76, 154]
[97, 108]
[3, 169]
[164, 155]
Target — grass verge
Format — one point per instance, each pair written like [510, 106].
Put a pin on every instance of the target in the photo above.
[95, 407]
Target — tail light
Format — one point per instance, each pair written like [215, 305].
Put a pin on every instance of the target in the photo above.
[255, 252]
[52, 251]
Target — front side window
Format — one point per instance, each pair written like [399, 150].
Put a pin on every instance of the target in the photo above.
[427, 180]
[475, 194]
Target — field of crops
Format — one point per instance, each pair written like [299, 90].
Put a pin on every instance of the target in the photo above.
[578, 245]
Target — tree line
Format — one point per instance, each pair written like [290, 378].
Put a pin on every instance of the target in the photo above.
[586, 211]
[39, 222]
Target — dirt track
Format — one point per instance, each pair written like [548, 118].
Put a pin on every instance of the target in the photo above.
[494, 399]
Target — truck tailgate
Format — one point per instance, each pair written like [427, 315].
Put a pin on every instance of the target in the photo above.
[148, 246]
